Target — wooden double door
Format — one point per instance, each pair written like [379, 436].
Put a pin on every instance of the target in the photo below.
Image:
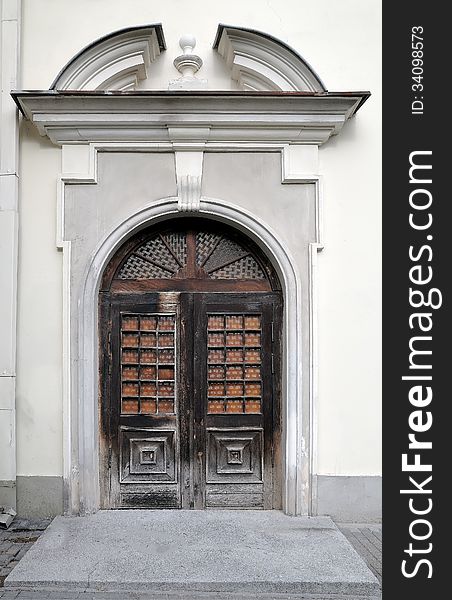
[190, 400]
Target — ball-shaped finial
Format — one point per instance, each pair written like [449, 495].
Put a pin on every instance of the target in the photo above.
[187, 42]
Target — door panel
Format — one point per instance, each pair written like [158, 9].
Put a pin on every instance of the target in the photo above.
[144, 436]
[233, 371]
[147, 455]
[147, 460]
[234, 456]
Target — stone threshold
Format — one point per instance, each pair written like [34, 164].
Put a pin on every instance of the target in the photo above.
[222, 552]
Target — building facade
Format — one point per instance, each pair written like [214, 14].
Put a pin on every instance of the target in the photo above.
[190, 256]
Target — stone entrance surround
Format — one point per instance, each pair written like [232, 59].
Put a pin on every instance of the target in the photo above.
[132, 158]
[238, 182]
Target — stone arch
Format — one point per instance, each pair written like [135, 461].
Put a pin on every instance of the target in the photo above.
[84, 491]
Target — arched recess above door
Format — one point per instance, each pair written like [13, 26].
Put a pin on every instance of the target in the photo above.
[189, 254]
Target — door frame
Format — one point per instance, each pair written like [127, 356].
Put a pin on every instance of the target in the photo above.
[80, 353]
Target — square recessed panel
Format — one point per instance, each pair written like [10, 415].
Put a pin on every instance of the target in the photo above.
[234, 456]
[147, 456]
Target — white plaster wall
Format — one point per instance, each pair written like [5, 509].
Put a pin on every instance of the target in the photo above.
[349, 300]
[39, 326]
[349, 275]
[342, 41]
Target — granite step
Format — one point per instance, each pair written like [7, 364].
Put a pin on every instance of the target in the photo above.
[246, 553]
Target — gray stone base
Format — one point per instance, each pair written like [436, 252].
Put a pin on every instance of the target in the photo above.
[8, 494]
[39, 497]
[354, 499]
[348, 499]
[195, 551]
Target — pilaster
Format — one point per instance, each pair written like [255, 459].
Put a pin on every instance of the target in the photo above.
[9, 133]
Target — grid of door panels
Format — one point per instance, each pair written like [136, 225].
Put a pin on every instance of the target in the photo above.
[234, 363]
[147, 364]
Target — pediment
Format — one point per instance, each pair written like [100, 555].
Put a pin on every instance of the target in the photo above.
[123, 61]
[117, 61]
[260, 62]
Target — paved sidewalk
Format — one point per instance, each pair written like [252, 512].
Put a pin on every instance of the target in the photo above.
[14, 543]
[367, 541]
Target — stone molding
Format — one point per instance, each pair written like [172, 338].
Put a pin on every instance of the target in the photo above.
[302, 118]
[189, 179]
[80, 383]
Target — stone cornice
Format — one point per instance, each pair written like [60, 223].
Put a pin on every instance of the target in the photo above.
[202, 116]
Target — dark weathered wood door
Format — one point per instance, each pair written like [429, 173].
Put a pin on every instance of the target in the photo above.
[190, 385]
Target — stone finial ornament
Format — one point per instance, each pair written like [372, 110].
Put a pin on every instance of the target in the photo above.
[187, 64]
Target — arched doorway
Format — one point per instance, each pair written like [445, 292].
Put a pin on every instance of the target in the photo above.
[190, 317]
